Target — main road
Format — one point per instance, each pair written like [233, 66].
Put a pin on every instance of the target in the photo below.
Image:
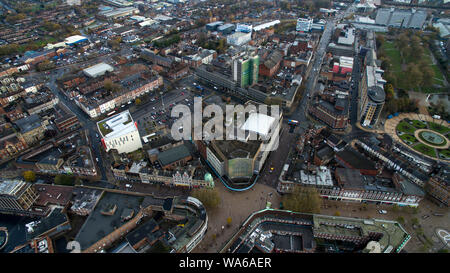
[300, 113]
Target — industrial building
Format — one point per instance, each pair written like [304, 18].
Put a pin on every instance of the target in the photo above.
[76, 39]
[226, 29]
[97, 70]
[213, 26]
[266, 25]
[401, 18]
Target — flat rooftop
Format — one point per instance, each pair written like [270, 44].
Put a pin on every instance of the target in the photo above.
[11, 187]
[116, 125]
[393, 232]
[258, 123]
[98, 69]
[98, 225]
[53, 194]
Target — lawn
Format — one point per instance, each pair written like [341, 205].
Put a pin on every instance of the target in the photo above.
[393, 54]
[103, 128]
[408, 138]
[419, 124]
[444, 154]
[137, 155]
[438, 128]
[424, 149]
[405, 127]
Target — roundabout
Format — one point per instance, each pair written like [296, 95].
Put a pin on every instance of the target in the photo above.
[421, 133]
[432, 138]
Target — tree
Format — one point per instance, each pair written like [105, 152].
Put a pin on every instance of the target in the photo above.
[413, 75]
[401, 220]
[414, 221]
[380, 40]
[389, 89]
[428, 76]
[395, 208]
[63, 179]
[138, 101]
[229, 221]
[110, 86]
[209, 197]
[45, 65]
[29, 176]
[303, 199]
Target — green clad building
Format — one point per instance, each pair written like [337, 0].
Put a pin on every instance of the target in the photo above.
[246, 70]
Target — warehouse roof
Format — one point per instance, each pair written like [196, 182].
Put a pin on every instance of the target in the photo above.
[75, 39]
[98, 69]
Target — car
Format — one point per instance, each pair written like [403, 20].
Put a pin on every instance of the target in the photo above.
[425, 216]
[154, 107]
[271, 169]
[128, 185]
[382, 211]
[182, 93]
[96, 159]
[96, 135]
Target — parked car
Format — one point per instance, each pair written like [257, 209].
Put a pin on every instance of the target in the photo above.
[382, 211]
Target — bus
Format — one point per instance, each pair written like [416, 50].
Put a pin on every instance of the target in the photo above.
[111, 113]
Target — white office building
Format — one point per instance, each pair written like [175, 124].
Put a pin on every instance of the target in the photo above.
[304, 24]
[239, 38]
[120, 132]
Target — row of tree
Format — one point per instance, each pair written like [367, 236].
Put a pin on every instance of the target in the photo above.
[303, 199]
[208, 196]
[60, 179]
[162, 43]
[417, 70]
